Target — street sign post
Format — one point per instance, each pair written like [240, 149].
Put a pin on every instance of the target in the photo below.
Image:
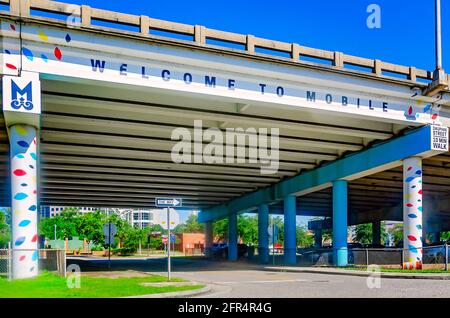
[273, 237]
[168, 245]
[110, 230]
[168, 203]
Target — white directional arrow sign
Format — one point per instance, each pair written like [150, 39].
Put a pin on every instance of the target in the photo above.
[168, 202]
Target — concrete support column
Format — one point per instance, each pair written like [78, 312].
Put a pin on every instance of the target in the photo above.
[263, 235]
[412, 212]
[340, 252]
[209, 229]
[24, 210]
[232, 237]
[376, 232]
[290, 240]
[318, 238]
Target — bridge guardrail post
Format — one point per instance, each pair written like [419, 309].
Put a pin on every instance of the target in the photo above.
[20, 8]
[145, 24]
[199, 34]
[85, 15]
[250, 45]
[295, 52]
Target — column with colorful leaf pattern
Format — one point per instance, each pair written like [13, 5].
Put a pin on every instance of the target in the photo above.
[412, 213]
[24, 200]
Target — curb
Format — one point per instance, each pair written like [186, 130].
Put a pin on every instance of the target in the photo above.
[181, 294]
[361, 273]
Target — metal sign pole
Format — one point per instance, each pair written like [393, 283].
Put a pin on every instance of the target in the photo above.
[446, 256]
[109, 246]
[168, 241]
[273, 243]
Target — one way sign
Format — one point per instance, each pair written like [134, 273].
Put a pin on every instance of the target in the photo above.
[168, 202]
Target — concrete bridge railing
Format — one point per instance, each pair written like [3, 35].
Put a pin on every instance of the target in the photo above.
[200, 36]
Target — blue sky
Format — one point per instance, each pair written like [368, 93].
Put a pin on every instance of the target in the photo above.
[406, 35]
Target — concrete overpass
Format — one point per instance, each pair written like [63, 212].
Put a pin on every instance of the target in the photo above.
[110, 93]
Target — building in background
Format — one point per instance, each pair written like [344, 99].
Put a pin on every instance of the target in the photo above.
[190, 243]
[139, 218]
[51, 211]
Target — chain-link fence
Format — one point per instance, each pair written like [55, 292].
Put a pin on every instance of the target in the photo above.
[50, 260]
[433, 257]
[5, 263]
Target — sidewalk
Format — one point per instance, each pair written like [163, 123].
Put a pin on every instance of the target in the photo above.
[352, 272]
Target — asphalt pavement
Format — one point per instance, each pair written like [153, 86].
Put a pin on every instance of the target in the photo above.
[243, 279]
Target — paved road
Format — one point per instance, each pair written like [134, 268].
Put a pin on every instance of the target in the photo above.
[259, 284]
[235, 280]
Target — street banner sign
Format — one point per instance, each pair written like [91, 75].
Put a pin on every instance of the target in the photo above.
[106, 229]
[273, 233]
[109, 240]
[168, 202]
[109, 232]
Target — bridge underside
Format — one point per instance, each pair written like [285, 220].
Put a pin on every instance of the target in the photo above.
[111, 147]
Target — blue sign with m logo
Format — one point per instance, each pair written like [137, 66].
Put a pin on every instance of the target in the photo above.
[21, 97]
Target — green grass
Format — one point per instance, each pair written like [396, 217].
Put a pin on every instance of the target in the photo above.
[398, 270]
[48, 285]
[424, 271]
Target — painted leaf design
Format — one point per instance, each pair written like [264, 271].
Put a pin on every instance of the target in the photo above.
[58, 53]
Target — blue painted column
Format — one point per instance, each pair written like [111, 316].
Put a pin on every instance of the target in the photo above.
[263, 234]
[209, 241]
[290, 240]
[340, 252]
[232, 237]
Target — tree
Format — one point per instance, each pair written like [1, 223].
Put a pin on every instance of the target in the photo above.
[153, 238]
[445, 236]
[397, 233]
[66, 225]
[221, 229]
[190, 226]
[90, 226]
[127, 235]
[363, 233]
[122, 227]
[248, 229]
[304, 238]
[5, 231]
